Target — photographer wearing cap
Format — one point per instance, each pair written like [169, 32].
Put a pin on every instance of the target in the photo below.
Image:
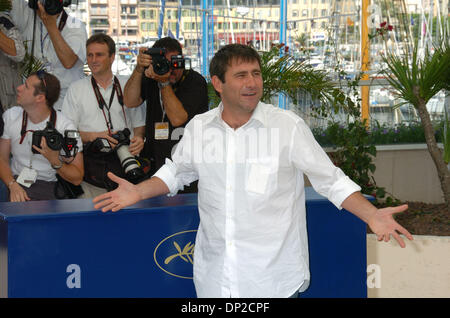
[12, 51]
[54, 38]
[96, 106]
[173, 99]
[35, 168]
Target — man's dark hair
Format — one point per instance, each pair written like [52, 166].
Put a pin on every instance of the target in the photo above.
[103, 38]
[170, 44]
[49, 86]
[225, 56]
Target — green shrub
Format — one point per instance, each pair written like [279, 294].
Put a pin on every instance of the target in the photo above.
[382, 134]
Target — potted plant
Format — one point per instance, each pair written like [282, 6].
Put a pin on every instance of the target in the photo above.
[416, 78]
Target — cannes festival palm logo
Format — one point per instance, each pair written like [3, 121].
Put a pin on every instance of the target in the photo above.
[175, 254]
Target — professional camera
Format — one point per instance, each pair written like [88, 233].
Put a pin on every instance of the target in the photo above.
[52, 7]
[133, 170]
[177, 61]
[159, 62]
[56, 141]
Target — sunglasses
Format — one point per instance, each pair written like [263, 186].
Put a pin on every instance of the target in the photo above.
[41, 75]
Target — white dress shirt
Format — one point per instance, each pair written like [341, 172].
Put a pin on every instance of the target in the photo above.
[81, 106]
[74, 33]
[252, 239]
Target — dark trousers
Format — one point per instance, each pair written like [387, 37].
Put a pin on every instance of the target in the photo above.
[40, 190]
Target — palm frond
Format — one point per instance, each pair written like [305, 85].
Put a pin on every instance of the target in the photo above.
[414, 77]
[30, 64]
[287, 75]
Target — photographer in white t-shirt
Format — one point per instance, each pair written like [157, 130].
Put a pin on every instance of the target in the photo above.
[32, 175]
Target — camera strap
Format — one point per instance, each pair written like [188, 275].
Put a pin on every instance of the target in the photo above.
[24, 130]
[177, 84]
[102, 104]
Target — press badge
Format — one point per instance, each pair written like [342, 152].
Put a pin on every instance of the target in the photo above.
[161, 131]
[47, 65]
[27, 177]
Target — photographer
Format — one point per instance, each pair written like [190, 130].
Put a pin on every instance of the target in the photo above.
[172, 99]
[58, 40]
[12, 51]
[95, 104]
[32, 175]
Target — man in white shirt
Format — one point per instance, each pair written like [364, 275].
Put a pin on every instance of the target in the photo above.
[249, 158]
[58, 42]
[32, 176]
[95, 105]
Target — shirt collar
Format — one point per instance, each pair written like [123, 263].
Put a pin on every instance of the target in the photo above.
[257, 116]
[109, 85]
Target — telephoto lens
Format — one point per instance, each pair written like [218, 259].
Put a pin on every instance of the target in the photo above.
[133, 171]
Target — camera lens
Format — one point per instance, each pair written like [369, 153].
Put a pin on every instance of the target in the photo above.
[54, 141]
[161, 65]
[126, 159]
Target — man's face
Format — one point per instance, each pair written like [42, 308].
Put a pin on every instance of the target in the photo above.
[26, 92]
[175, 74]
[98, 58]
[243, 86]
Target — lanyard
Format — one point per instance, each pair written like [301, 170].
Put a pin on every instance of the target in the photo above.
[102, 104]
[62, 23]
[163, 110]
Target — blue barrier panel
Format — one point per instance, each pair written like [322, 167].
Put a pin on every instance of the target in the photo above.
[337, 250]
[67, 248]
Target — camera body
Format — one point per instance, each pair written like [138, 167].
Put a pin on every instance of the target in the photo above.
[133, 170]
[159, 62]
[177, 61]
[56, 141]
[52, 7]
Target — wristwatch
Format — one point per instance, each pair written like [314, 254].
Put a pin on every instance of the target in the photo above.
[163, 84]
[56, 167]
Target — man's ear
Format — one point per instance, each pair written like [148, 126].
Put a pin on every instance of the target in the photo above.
[217, 83]
[40, 97]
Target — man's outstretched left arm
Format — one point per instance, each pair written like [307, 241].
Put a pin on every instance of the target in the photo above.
[380, 221]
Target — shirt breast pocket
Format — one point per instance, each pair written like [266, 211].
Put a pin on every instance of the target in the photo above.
[261, 175]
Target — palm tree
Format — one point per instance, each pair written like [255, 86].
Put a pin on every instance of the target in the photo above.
[416, 80]
[302, 40]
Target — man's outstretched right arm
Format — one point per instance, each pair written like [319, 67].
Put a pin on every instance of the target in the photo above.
[128, 194]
